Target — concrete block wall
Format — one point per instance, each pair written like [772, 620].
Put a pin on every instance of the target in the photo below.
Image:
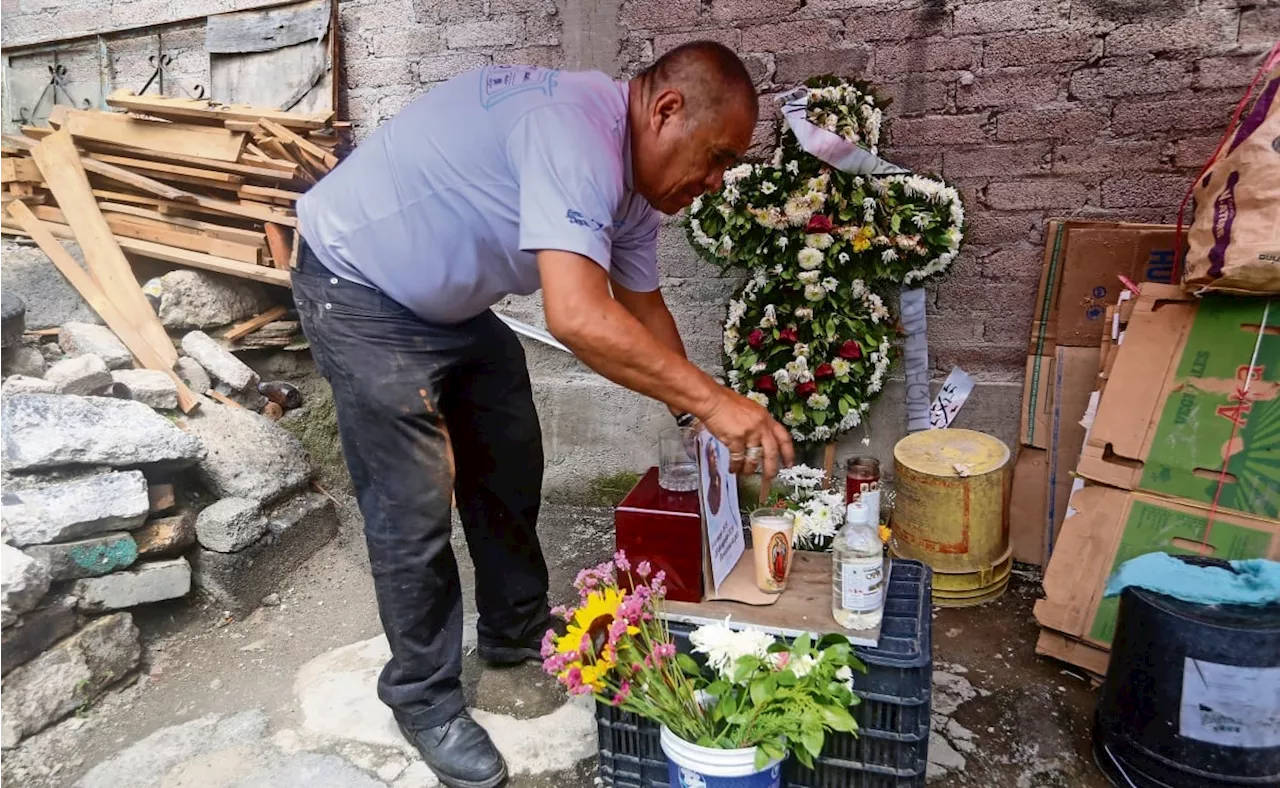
[1033, 108]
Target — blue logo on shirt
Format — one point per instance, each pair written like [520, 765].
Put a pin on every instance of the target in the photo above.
[577, 217]
[498, 83]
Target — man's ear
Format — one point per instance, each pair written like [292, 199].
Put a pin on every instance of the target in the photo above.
[668, 104]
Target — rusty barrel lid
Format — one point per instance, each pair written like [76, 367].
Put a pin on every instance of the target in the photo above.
[951, 453]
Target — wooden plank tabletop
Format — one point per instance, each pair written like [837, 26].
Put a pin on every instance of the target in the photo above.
[804, 607]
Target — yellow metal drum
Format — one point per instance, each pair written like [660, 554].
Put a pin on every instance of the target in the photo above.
[952, 487]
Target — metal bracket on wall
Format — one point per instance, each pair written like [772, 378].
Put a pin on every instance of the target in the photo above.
[160, 71]
[57, 84]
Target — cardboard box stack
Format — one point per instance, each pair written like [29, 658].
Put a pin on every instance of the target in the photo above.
[1078, 284]
[1181, 454]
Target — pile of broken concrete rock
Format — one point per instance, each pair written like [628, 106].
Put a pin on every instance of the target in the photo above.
[110, 503]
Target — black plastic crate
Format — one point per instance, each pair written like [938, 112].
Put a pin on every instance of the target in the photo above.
[891, 748]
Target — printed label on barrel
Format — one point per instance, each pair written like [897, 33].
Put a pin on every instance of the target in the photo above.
[1229, 705]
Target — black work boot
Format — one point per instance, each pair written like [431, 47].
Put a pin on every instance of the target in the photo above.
[508, 655]
[460, 752]
[519, 653]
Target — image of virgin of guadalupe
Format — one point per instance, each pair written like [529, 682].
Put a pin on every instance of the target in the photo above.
[779, 552]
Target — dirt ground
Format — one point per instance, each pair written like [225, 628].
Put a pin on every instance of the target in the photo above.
[1029, 717]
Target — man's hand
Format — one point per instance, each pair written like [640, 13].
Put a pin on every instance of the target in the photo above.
[607, 337]
[755, 440]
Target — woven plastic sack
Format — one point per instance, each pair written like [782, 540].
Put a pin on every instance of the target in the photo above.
[1234, 242]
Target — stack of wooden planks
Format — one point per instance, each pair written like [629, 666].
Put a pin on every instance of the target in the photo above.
[183, 181]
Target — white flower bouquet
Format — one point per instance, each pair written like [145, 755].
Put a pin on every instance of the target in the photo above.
[819, 510]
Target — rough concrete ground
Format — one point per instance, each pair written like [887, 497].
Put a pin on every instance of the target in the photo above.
[284, 698]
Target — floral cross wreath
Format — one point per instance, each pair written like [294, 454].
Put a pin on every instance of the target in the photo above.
[808, 335]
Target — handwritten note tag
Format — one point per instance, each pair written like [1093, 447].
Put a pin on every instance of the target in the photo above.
[951, 397]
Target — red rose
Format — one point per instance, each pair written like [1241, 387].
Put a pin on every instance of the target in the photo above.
[766, 385]
[851, 350]
[819, 224]
[803, 390]
[789, 336]
[755, 339]
[824, 371]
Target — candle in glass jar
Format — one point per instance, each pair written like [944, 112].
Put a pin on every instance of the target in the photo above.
[771, 533]
[862, 474]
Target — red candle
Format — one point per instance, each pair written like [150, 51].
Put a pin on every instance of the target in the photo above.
[861, 474]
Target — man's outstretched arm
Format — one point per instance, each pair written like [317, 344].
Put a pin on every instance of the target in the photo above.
[605, 334]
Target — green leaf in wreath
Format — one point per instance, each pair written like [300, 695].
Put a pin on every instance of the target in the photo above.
[895, 224]
[819, 417]
[843, 406]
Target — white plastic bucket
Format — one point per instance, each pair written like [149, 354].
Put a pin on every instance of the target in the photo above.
[692, 766]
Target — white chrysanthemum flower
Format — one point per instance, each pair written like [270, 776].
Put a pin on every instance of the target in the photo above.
[793, 167]
[819, 240]
[798, 210]
[852, 419]
[768, 187]
[777, 269]
[842, 368]
[809, 258]
[737, 309]
[843, 257]
[734, 377]
[845, 674]
[770, 318]
[804, 313]
[830, 284]
[700, 237]
[799, 435]
[802, 477]
[723, 646]
[822, 433]
[735, 174]
[920, 220]
[696, 205]
[809, 277]
[802, 666]
[869, 204]
[814, 292]
[759, 398]
[758, 367]
[798, 368]
[731, 194]
[782, 243]
[725, 209]
[818, 401]
[802, 351]
[889, 255]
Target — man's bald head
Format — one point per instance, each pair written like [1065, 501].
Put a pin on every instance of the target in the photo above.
[709, 75]
[692, 114]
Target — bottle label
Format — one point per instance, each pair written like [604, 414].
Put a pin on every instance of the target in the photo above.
[862, 586]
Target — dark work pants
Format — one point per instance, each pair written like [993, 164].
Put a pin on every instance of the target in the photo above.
[424, 410]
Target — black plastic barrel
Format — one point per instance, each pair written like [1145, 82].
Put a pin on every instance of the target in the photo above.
[1192, 695]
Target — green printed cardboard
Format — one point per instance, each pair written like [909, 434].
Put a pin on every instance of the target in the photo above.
[1194, 387]
[1111, 526]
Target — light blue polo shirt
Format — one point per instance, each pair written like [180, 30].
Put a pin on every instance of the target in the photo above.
[443, 206]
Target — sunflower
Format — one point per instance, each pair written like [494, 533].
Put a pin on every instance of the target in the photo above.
[591, 623]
